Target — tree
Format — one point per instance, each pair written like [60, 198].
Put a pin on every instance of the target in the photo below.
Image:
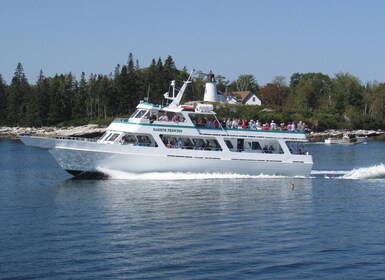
[104, 87]
[3, 101]
[245, 82]
[16, 102]
[346, 91]
[79, 99]
[42, 91]
[374, 101]
[274, 93]
[310, 90]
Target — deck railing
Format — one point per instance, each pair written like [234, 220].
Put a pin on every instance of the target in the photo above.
[83, 139]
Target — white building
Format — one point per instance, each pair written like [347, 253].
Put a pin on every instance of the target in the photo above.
[247, 98]
[213, 95]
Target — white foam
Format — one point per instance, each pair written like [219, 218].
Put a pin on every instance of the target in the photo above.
[166, 176]
[329, 172]
[372, 172]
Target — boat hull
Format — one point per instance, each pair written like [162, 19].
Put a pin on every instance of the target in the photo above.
[39, 142]
[107, 161]
[82, 157]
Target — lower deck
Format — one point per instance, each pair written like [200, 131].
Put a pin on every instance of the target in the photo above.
[207, 143]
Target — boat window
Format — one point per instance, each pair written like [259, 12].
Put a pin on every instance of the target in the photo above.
[171, 141]
[143, 140]
[105, 136]
[202, 120]
[214, 145]
[244, 145]
[199, 144]
[256, 146]
[128, 139]
[240, 145]
[180, 117]
[113, 137]
[296, 148]
[229, 144]
[162, 116]
[139, 114]
[188, 144]
[133, 114]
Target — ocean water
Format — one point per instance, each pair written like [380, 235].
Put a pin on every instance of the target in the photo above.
[194, 226]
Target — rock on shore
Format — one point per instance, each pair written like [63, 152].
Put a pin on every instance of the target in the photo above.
[90, 130]
[336, 133]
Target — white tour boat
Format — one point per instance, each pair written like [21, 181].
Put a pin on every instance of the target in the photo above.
[173, 138]
[347, 139]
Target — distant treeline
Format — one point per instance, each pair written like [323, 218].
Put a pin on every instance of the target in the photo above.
[319, 100]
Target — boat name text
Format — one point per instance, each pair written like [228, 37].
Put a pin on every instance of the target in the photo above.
[168, 130]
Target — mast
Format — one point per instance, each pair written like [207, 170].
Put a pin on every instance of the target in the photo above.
[176, 99]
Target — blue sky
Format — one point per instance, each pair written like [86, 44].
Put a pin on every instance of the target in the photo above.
[264, 38]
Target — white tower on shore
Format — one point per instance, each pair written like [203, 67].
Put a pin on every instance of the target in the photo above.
[211, 89]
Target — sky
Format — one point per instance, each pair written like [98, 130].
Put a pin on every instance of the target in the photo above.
[263, 38]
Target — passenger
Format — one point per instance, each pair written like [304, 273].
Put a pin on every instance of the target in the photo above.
[301, 126]
[215, 123]
[234, 124]
[224, 123]
[152, 118]
[208, 123]
[206, 147]
[179, 143]
[200, 122]
[288, 127]
[293, 127]
[204, 121]
[174, 118]
[169, 144]
[273, 125]
[258, 125]
[244, 124]
[163, 118]
[229, 123]
[240, 124]
[266, 126]
[252, 124]
[265, 149]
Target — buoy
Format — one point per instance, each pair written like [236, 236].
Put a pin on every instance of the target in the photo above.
[292, 186]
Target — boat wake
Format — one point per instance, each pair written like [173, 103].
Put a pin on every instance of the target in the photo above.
[371, 172]
[167, 176]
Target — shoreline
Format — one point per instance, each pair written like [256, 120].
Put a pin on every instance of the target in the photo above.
[94, 130]
[88, 131]
[338, 133]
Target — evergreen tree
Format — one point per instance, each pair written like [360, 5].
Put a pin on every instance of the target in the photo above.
[3, 101]
[122, 92]
[16, 101]
[41, 90]
[133, 86]
[79, 100]
[55, 108]
[32, 116]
